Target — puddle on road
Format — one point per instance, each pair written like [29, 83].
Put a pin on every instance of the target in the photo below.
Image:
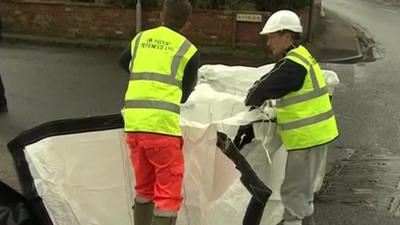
[371, 180]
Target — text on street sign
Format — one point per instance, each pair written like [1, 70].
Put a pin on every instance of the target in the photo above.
[249, 17]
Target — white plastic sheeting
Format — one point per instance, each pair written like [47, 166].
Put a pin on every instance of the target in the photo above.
[86, 178]
[83, 178]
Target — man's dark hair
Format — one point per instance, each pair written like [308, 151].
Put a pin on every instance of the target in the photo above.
[297, 38]
[176, 13]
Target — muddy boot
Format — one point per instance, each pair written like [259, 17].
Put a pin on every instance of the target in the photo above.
[292, 222]
[309, 220]
[142, 213]
[159, 220]
[3, 108]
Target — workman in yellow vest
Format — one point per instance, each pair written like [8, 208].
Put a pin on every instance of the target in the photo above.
[305, 119]
[163, 68]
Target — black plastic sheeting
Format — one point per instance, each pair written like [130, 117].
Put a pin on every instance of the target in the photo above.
[14, 208]
[259, 191]
[50, 129]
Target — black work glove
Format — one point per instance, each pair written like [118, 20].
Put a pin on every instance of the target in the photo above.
[244, 136]
[221, 140]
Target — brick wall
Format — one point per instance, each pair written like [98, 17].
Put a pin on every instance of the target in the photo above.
[67, 19]
[81, 20]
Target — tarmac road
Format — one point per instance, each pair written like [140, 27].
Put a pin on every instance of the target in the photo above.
[50, 83]
[366, 179]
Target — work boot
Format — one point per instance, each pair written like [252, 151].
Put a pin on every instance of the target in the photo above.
[159, 220]
[3, 108]
[309, 220]
[143, 213]
[292, 222]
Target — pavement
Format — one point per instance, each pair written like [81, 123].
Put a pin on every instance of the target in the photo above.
[333, 40]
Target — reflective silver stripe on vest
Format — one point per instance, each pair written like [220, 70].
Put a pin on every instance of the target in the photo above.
[306, 122]
[171, 79]
[156, 77]
[301, 98]
[178, 58]
[148, 104]
[135, 49]
[312, 71]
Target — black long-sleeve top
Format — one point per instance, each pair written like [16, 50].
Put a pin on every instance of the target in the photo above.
[189, 79]
[286, 76]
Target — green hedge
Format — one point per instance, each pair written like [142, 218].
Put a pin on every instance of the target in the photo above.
[263, 5]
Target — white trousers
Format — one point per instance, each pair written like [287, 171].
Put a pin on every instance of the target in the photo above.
[304, 173]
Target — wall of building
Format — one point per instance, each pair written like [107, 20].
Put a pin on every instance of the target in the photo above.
[93, 21]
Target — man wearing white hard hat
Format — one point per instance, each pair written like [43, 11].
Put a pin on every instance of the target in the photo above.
[304, 113]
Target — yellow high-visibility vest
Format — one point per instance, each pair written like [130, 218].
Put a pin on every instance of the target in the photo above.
[152, 100]
[305, 117]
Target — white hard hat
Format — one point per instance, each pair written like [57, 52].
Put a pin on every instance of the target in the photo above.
[282, 20]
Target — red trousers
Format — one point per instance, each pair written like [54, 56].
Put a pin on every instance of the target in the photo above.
[158, 164]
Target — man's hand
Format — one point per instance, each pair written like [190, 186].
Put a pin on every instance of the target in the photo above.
[221, 140]
[244, 136]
